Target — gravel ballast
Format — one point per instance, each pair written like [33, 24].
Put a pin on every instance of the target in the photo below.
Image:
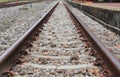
[107, 37]
[15, 21]
[58, 51]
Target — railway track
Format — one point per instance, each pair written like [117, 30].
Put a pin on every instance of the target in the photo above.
[58, 45]
[107, 34]
[11, 4]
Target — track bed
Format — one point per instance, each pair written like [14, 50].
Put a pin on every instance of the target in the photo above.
[61, 49]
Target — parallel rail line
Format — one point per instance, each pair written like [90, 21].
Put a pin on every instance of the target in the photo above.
[108, 57]
[11, 4]
[104, 59]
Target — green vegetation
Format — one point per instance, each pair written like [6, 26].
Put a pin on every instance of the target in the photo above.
[5, 0]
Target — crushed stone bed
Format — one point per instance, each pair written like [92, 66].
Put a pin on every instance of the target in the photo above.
[108, 38]
[57, 57]
[15, 21]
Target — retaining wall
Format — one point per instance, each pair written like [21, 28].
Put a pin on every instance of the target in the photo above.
[108, 16]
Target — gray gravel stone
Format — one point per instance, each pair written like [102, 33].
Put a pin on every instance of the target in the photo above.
[58, 31]
[108, 38]
[15, 21]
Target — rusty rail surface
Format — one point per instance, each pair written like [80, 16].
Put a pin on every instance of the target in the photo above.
[7, 58]
[109, 61]
[108, 26]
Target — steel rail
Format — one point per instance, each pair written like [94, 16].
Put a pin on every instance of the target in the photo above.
[6, 59]
[11, 4]
[108, 26]
[9, 55]
[110, 62]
